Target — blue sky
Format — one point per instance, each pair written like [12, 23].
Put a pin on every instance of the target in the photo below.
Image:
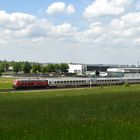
[78, 31]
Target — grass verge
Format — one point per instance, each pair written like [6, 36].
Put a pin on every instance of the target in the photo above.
[110, 113]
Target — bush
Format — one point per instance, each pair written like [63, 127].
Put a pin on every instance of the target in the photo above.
[126, 84]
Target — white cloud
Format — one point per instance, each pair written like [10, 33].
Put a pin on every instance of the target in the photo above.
[70, 9]
[19, 26]
[56, 7]
[105, 7]
[60, 7]
[15, 20]
[121, 35]
[62, 29]
[127, 26]
[25, 26]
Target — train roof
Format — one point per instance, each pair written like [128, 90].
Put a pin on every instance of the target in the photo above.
[74, 78]
[67, 78]
[28, 79]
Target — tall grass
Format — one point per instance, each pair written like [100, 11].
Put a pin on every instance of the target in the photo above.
[110, 113]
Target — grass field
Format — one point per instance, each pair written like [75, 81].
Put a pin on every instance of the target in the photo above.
[6, 83]
[110, 113]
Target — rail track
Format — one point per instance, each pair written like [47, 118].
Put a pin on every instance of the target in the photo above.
[40, 89]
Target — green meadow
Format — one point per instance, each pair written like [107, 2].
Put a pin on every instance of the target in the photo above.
[108, 113]
[6, 83]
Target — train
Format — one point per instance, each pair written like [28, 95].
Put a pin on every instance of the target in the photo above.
[71, 82]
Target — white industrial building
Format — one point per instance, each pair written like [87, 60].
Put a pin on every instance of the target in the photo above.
[124, 72]
[76, 68]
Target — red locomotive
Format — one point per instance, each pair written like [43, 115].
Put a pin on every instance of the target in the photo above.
[30, 83]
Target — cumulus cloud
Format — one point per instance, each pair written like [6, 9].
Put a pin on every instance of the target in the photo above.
[60, 7]
[21, 29]
[105, 7]
[70, 9]
[18, 26]
[127, 25]
[15, 20]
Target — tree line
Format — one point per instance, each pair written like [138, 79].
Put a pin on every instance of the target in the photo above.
[32, 67]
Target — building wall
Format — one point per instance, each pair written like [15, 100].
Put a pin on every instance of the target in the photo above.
[75, 68]
[97, 68]
[131, 74]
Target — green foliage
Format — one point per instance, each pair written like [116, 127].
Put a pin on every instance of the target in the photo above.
[64, 67]
[44, 69]
[36, 67]
[17, 67]
[57, 68]
[27, 67]
[3, 66]
[50, 68]
[126, 84]
[97, 73]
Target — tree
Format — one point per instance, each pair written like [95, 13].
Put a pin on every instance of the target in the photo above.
[50, 68]
[4, 66]
[36, 68]
[57, 68]
[64, 67]
[17, 67]
[97, 73]
[44, 69]
[27, 67]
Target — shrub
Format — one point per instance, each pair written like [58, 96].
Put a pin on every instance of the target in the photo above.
[126, 84]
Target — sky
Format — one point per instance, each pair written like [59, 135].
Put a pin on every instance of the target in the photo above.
[70, 31]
